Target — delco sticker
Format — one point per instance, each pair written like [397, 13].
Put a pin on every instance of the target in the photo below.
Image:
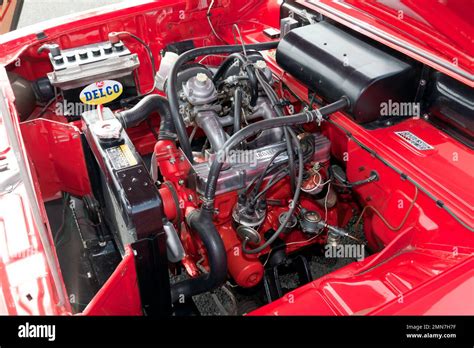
[414, 141]
[101, 92]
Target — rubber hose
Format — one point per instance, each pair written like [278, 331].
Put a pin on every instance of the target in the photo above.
[201, 222]
[253, 85]
[140, 112]
[226, 64]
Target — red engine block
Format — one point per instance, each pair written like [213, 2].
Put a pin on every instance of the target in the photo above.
[246, 270]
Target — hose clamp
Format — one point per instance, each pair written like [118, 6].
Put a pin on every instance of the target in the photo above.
[319, 116]
[206, 202]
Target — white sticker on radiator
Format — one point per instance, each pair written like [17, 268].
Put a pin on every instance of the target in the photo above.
[414, 141]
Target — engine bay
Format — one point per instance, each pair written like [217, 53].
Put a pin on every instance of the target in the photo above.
[235, 173]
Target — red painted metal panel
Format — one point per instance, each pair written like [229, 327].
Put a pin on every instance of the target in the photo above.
[120, 294]
[397, 286]
[55, 150]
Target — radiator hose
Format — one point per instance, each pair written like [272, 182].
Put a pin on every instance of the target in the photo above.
[201, 222]
[140, 112]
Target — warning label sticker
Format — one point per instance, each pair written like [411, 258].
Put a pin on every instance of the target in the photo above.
[121, 157]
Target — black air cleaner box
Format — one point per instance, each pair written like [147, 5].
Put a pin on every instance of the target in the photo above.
[333, 63]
